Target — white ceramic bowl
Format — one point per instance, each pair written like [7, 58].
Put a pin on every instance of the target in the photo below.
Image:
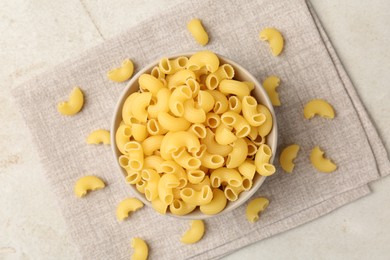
[240, 74]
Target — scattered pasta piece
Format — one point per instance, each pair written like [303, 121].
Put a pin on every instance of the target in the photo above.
[122, 73]
[287, 157]
[270, 84]
[274, 38]
[198, 32]
[87, 183]
[318, 107]
[98, 137]
[254, 207]
[73, 105]
[140, 247]
[195, 233]
[321, 163]
[126, 206]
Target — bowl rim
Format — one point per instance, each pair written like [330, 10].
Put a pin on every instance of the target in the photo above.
[273, 143]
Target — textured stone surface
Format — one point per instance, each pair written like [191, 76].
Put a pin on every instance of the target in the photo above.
[38, 34]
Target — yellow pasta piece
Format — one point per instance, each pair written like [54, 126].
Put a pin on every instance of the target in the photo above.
[252, 147]
[318, 107]
[149, 83]
[139, 107]
[221, 102]
[198, 32]
[238, 122]
[180, 208]
[263, 155]
[193, 114]
[270, 84]
[167, 182]
[122, 73]
[157, 73]
[195, 233]
[235, 104]
[180, 78]
[151, 144]
[224, 135]
[185, 160]
[173, 141]
[254, 207]
[225, 175]
[135, 155]
[225, 71]
[171, 66]
[216, 205]
[73, 105]
[287, 157]
[195, 176]
[265, 128]
[232, 193]
[161, 105]
[211, 161]
[87, 183]
[274, 38]
[172, 123]
[205, 101]
[238, 155]
[98, 137]
[198, 129]
[141, 250]
[321, 163]
[202, 197]
[176, 100]
[201, 59]
[127, 112]
[133, 176]
[126, 206]
[213, 120]
[140, 186]
[159, 206]
[234, 87]
[153, 127]
[213, 147]
[122, 136]
[247, 169]
[250, 113]
[198, 187]
[153, 179]
[153, 162]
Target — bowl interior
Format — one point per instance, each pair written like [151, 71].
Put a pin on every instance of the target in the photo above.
[240, 74]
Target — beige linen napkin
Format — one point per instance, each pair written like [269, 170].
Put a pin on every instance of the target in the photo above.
[308, 67]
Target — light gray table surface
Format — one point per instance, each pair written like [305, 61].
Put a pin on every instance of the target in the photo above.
[35, 35]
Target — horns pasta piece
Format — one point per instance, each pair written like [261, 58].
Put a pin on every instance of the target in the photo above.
[123, 73]
[198, 32]
[321, 163]
[254, 207]
[140, 247]
[88, 183]
[287, 157]
[195, 233]
[274, 38]
[270, 84]
[126, 206]
[99, 136]
[318, 107]
[73, 105]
